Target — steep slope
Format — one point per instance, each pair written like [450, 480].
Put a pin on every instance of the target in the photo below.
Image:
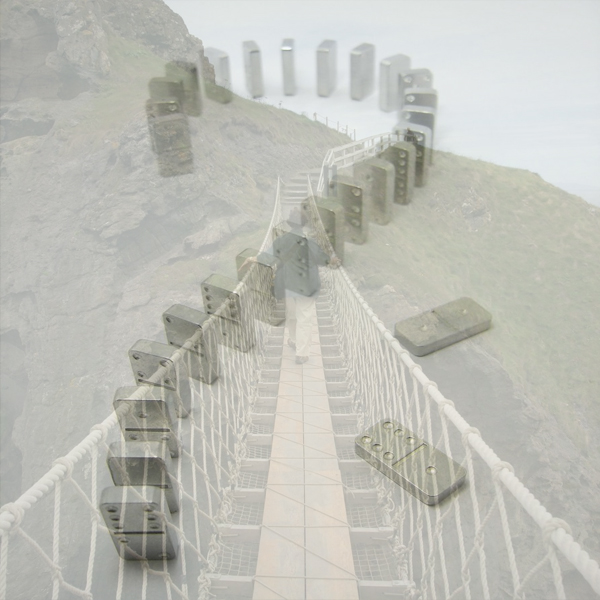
[88, 225]
[95, 245]
[62, 48]
[530, 254]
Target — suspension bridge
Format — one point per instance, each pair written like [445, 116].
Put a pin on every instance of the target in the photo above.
[272, 500]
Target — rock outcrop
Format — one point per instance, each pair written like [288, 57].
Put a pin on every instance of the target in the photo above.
[59, 49]
[91, 233]
[96, 245]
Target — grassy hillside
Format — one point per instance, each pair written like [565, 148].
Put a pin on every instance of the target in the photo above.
[524, 249]
[95, 243]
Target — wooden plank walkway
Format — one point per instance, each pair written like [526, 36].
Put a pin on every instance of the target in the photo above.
[305, 551]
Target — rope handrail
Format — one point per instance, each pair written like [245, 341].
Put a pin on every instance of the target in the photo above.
[12, 513]
[354, 150]
[553, 529]
[559, 535]
[561, 538]
[325, 121]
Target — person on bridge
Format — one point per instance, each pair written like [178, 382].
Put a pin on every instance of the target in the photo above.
[301, 257]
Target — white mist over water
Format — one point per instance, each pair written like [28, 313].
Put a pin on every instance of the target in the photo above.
[519, 81]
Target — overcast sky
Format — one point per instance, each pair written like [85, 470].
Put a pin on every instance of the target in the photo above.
[518, 80]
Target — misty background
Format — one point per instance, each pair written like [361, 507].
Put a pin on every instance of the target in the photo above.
[519, 81]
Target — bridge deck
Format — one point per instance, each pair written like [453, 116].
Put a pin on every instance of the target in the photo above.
[305, 550]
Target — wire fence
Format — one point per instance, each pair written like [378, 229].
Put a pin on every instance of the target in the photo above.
[335, 125]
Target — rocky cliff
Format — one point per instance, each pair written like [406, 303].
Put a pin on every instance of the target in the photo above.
[60, 48]
[530, 254]
[92, 235]
[96, 245]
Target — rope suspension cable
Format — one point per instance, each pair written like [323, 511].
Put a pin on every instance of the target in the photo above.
[383, 378]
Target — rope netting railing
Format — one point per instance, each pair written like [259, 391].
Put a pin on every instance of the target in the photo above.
[473, 545]
[54, 543]
[349, 154]
[492, 539]
[387, 383]
[482, 542]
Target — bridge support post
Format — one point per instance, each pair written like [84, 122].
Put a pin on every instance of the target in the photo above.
[170, 136]
[253, 69]
[143, 464]
[350, 195]
[331, 214]
[362, 71]
[389, 70]
[420, 115]
[138, 522]
[147, 357]
[413, 78]
[187, 74]
[234, 328]
[220, 90]
[326, 67]
[261, 272]
[202, 360]
[421, 97]
[287, 59]
[403, 156]
[145, 420]
[377, 177]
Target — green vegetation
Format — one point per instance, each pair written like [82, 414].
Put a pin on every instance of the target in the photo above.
[528, 252]
[124, 92]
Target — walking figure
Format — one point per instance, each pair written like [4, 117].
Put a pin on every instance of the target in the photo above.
[301, 257]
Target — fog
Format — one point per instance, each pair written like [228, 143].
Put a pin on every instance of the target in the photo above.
[519, 82]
